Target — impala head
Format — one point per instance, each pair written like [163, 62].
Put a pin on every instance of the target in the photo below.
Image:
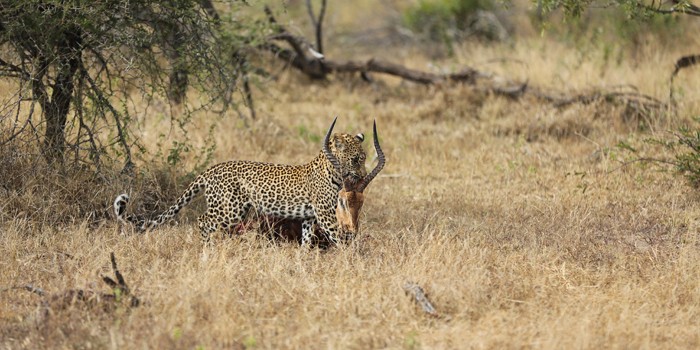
[351, 196]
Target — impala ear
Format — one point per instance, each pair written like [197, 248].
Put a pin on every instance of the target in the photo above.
[360, 137]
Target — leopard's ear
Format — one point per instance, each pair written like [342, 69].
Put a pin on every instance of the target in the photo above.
[360, 137]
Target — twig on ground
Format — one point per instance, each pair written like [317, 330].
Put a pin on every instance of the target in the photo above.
[420, 297]
[120, 292]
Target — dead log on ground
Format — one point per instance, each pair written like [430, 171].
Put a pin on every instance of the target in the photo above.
[311, 62]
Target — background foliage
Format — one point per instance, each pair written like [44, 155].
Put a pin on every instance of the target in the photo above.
[87, 63]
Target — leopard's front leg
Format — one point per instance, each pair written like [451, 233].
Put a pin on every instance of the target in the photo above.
[307, 232]
[328, 223]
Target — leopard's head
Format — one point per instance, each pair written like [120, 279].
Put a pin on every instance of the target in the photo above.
[349, 155]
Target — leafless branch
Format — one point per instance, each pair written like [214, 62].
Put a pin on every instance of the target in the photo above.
[14, 69]
[310, 9]
[248, 94]
[129, 165]
[317, 23]
[313, 67]
[94, 150]
[27, 122]
[319, 32]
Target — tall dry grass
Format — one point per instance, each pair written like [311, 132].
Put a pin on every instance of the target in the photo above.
[518, 219]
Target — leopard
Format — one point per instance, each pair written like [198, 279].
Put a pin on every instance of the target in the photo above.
[306, 192]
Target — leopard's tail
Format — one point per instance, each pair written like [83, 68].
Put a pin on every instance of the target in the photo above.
[120, 210]
[142, 224]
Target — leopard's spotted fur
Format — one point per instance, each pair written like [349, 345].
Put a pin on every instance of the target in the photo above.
[307, 192]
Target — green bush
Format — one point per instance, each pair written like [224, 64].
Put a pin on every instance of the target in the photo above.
[623, 23]
[687, 161]
[444, 20]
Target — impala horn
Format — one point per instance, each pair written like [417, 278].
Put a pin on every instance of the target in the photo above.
[327, 151]
[380, 164]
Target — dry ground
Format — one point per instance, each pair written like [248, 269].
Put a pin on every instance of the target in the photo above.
[517, 219]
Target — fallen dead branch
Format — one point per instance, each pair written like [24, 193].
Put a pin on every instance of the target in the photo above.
[315, 65]
[420, 298]
[311, 61]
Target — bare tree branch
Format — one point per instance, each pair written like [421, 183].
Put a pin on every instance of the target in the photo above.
[313, 67]
[14, 132]
[310, 9]
[15, 69]
[27, 122]
[248, 94]
[129, 165]
[317, 24]
[319, 27]
[94, 150]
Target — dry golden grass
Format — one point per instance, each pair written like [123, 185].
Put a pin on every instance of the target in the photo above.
[516, 218]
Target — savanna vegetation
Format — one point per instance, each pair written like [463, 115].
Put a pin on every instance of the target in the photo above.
[548, 198]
